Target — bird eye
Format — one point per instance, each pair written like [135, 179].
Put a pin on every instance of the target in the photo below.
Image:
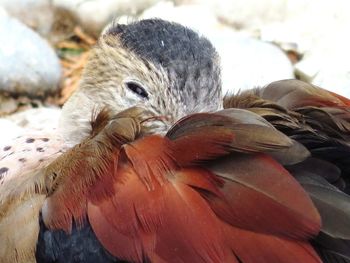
[137, 89]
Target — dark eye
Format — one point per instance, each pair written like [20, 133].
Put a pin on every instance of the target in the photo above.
[137, 89]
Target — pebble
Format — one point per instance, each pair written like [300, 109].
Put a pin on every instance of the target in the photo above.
[247, 62]
[206, 22]
[36, 14]
[328, 68]
[244, 14]
[331, 21]
[8, 105]
[28, 65]
[93, 15]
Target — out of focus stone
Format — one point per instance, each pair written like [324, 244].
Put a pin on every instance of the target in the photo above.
[28, 64]
[244, 14]
[93, 15]
[8, 105]
[248, 63]
[63, 25]
[328, 67]
[36, 14]
[205, 22]
[322, 40]
[331, 20]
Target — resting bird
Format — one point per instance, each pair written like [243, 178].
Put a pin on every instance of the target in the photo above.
[150, 164]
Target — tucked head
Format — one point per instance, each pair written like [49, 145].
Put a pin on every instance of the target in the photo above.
[163, 66]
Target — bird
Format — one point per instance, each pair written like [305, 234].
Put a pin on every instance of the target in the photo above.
[151, 163]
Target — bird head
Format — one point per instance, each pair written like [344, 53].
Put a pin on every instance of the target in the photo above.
[164, 67]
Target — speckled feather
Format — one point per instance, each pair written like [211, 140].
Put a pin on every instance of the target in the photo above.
[19, 160]
[29, 152]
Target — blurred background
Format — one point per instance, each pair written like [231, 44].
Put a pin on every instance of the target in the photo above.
[44, 44]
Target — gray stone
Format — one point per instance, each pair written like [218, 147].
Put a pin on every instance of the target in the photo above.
[28, 64]
[297, 26]
[8, 105]
[248, 62]
[93, 15]
[244, 14]
[204, 23]
[328, 67]
[37, 14]
[322, 40]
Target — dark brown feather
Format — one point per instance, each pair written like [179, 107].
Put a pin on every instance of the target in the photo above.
[319, 120]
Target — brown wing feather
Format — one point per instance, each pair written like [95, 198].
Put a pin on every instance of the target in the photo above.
[146, 203]
[294, 93]
[318, 119]
[227, 130]
[252, 247]
[256, 186]
[165, 221]
[146, 220]
[22, 197]
[83, 166]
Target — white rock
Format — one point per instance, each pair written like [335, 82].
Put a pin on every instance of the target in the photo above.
[328, 66]
[93, 15]
[247, 62]
[27, 63]
[323, 40]
[37, 118]
[205, 22]
[37, 14]
[248, 14]
[9, 131]
[330, 18]
[304, 23]
[7, 105]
